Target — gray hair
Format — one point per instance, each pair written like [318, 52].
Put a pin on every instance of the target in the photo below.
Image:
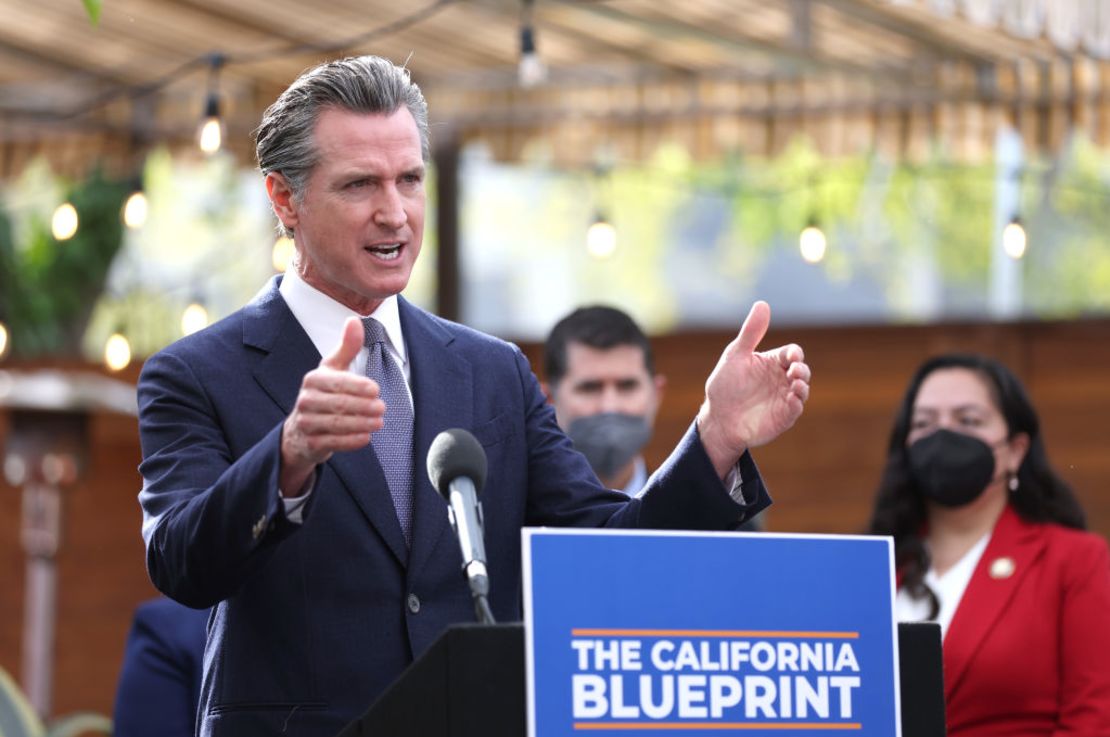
[285, 141]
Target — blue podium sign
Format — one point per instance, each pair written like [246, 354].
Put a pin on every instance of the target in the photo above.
[676, 633]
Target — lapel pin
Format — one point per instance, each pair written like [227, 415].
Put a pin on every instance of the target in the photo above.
[1002, 567]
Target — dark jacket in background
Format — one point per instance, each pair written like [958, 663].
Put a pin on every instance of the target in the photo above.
[159, 685]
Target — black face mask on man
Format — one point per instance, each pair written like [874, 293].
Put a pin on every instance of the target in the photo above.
[951, 468]
[609, 440]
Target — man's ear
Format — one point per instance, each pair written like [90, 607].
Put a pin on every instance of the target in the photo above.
[660, 382]
[282, 200]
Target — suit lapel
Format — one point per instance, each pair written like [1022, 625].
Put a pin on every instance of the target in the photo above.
[1013, 547]
[271, 327]
[442, 390]
[364, 480]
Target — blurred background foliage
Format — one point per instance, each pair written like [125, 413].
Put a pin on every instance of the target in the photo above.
[696, 243]
[48, 288]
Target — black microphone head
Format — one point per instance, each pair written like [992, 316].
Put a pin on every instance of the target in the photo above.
[456, 453]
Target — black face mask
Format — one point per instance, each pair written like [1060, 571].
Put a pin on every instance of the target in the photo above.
[950, 468]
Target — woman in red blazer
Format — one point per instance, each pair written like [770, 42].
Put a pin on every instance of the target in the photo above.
[989, 541]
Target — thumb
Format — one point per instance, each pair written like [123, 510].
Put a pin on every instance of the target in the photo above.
[349, 345]
[754, 327]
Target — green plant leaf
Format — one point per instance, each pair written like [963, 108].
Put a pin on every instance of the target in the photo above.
[93, 8]
[78, 724]
[17, 718]
[48, 288]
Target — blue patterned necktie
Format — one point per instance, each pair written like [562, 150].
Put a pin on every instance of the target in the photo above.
[393, 443]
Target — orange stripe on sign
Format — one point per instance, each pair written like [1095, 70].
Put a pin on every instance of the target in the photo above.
[582, 632]
[716, 725]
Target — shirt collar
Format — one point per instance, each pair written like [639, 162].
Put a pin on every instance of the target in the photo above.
[322, 318]
[638, 482]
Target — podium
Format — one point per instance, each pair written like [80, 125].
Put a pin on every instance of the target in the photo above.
[470, 683]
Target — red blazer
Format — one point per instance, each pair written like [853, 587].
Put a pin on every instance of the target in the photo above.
[1028, 651]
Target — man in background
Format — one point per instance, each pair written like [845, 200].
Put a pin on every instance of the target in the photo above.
[601, 381]
[159, 684]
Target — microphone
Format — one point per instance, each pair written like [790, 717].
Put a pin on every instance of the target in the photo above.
[457, 468]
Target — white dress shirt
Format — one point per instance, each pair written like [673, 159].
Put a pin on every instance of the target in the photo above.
[636, 484]
[322, 319]
[949, 589]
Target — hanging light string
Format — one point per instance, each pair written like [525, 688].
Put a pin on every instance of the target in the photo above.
[1014, 238]
[117, 350]
[812, 241]
[531, 70]
[211, 134]
[135, 207]
[205, 61]
[601, 235]
[107, 97]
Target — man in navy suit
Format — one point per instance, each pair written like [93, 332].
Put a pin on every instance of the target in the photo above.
[602, 384]
[270, 484]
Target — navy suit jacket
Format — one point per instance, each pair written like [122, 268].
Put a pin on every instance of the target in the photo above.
[159, 685]
[313, 621]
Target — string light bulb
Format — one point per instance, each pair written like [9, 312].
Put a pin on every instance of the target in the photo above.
[282, 254]
[135, 208]
[64, 222]
[194, 318]
[117, 352]
[210, 136]
[601, 237]
[4, 340]
[1014, 239]
[530, 70]
[812, 242]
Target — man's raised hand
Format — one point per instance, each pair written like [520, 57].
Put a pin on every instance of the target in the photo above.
[336, 410]
[751, 397]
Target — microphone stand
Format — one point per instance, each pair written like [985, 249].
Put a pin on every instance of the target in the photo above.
[479, 591]
[466, 509]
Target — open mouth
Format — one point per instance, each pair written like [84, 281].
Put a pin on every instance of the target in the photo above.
[386, 251]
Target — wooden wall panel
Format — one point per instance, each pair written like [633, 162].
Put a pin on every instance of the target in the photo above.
[101, 571]
[822, 474]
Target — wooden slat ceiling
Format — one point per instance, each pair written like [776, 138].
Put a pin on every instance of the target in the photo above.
[54, 64]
